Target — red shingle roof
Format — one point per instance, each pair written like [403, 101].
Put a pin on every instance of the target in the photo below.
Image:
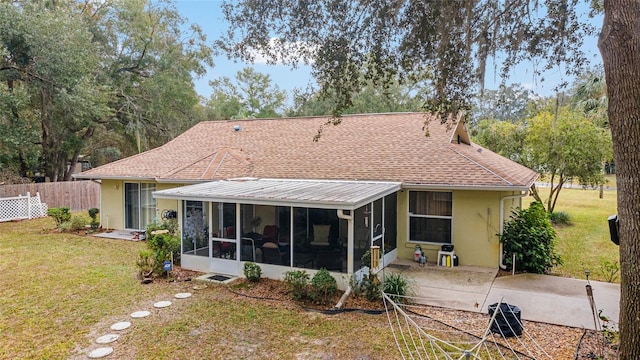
[382, 147]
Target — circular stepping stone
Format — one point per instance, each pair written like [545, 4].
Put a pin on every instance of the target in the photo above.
[199, 287]
[120, 325]
[140, 314]
[162, 304]
[183, 295]
[100, 352]
[109, 338]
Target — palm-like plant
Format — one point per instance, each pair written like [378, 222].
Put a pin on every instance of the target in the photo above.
[590, 96]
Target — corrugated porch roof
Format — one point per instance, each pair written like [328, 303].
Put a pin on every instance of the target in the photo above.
[346, 195]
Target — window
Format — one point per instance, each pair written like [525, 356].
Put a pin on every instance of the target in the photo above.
[430, 216]
[139, 205]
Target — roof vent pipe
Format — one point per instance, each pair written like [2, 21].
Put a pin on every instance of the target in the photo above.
[237, 128]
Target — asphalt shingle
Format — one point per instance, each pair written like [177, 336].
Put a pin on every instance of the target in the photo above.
[380, 147]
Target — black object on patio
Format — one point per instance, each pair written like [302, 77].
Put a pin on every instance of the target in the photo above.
[507, 320]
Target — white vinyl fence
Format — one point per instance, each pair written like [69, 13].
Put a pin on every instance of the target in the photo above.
[22, 207]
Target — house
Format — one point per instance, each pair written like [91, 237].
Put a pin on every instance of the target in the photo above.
[263, 190]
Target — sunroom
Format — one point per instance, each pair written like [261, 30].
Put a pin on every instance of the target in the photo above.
[285, 224]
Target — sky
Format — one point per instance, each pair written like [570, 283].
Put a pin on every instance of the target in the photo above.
[208, 15]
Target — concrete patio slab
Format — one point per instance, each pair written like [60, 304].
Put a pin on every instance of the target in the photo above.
[541, 298]
[460, 287]
[119, 235]
[556, 300]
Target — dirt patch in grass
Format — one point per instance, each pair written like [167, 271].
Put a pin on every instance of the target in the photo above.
[261, 321]
[542, 340]
[267, 289]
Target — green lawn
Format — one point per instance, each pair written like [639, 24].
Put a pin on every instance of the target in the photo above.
[586, 243]
[63, 291]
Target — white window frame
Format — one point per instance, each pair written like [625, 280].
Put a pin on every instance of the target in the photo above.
[412, 215]
[140, 210]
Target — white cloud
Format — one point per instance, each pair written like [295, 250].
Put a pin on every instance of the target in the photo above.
[284, 52]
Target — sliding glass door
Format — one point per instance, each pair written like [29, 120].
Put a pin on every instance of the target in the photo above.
[139, 205]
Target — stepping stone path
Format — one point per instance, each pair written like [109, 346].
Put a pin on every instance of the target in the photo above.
[140, 314]
[100, 352]
[162, 304]
[106, 339]
[122, 325]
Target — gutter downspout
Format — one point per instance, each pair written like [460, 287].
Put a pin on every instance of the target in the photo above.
[521, 195]
[349, 218]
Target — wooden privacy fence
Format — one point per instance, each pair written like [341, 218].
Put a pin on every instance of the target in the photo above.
[76, 195]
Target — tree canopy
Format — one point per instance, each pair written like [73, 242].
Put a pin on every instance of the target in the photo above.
[93, 75]
[370, 98]
[251, 95]
[564, 145]
[446, 44]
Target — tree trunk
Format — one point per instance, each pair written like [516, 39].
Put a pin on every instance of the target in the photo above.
[620, 48]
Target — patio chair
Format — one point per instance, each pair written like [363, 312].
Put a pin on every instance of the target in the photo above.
[271, 254]
[320, 236]
[247, 250]
[270, 233]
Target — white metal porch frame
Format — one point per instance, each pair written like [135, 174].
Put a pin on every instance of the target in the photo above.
[326, 194]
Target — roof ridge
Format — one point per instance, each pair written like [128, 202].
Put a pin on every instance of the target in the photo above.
[129, 158]
[175, 170]
[222, 150]
[480, 165]
[324, 117]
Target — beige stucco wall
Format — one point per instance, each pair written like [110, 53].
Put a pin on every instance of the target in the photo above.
[476, 221]
[165, 204]
[112, 203]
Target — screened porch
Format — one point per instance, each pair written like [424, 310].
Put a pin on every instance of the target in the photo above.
[284, 224]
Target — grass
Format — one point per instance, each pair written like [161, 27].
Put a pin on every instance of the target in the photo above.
[585, 244]
[62, 291]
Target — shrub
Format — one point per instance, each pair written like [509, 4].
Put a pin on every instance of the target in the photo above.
[93, 214]
[397, 286]
[170, 224]
[529, 235]
[163, 246]
[609, 269]
[59, 215]
[369, 287]
[366, 258]
[78, 222]
[145, 263]
[65, 226]
[560, 218]
[297, 281]
[323, 286]
[252, 271]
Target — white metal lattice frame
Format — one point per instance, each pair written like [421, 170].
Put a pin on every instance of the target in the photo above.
[22, 207]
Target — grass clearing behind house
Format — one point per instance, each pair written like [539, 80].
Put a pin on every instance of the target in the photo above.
[62, 291]
[58, 285]
[585, 243]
